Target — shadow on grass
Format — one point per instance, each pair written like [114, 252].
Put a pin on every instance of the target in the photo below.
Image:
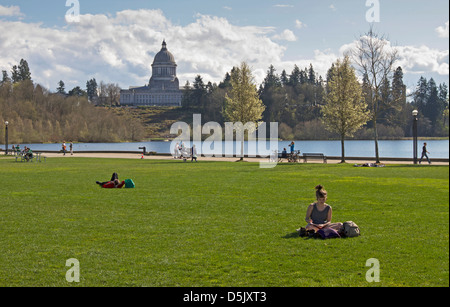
[293, 235]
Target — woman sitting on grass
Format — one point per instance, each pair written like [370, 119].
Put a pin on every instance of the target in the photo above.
[319, 215]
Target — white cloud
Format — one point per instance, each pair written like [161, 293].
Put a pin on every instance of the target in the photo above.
[415, 60]
[442, 31]
[120, 49]
[283, 5]
[299, 24]
[287, 35]
[332, 7]
[420, 60]
[10, 11]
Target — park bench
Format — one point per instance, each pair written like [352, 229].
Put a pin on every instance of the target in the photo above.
[36, 156]
[282, 156]
[290, 157]
[321, 156]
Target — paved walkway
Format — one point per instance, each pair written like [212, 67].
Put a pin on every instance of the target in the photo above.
[160, 157]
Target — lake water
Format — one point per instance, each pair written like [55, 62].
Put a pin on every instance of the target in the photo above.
[353, 148]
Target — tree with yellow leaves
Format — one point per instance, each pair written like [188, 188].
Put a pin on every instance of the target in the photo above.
[243, 105]
[345, 110]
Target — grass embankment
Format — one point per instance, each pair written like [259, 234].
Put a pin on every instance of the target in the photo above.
[219, 224]
[156, 120]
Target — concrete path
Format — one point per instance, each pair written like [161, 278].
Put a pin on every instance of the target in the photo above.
[161, 157]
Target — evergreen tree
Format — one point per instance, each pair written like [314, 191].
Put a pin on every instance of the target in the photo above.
[24, 70]
[226, 81]
[268, 92]
[420, 95]
[284, 78]
[78, 92]
[186, 101]
[15, 74]
[91, 89]
[5, 78]
[311, 75]
[199, 92]
[443, 94]
[294, 77]
[271, 79]
[433, 108]
[61, 88]
[210, 87]
[398, 87]
[21, 72]
[329, 75]
[303, 77]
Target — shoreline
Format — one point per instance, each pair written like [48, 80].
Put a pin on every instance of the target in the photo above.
[138, 155]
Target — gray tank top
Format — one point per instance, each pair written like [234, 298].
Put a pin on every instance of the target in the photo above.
[319, 217]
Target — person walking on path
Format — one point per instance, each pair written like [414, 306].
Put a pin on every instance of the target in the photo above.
[193, 153]
[424, 154]
[64, 148]
[71, 148]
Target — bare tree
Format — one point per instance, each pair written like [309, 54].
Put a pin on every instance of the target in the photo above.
[102, 93]
[113, 94]
[375, 58]
[108, 94]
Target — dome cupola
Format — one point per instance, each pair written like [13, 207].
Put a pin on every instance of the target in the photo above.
[164, 56]
[164, 70]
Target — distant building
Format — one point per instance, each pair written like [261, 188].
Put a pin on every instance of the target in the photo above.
[163, 88]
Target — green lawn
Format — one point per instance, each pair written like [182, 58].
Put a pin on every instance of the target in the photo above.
[219, 224]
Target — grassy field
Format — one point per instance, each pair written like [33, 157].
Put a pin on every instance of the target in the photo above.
[219, 224]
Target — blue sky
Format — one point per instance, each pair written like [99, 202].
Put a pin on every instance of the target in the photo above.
[116, 40]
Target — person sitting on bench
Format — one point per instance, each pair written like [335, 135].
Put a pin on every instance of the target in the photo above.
[113, 183]
[28, 154]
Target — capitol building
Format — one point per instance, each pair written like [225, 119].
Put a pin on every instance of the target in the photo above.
[163, 88]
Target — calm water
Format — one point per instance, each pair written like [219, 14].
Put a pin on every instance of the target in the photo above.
[387, 149]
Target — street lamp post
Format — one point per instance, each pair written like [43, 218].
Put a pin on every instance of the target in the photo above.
[414, 113]
[6, 137]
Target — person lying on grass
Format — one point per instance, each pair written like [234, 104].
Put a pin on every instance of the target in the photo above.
[319, 215]
[113, 183]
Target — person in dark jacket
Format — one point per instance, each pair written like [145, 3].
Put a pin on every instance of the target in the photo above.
[425, 153]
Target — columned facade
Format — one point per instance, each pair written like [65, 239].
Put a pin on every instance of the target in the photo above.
[163, 88]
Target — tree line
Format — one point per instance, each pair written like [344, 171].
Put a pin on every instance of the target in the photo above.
[340, 107]
[295, 99]
[303, 102]
[103, 94]
[37, 115]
